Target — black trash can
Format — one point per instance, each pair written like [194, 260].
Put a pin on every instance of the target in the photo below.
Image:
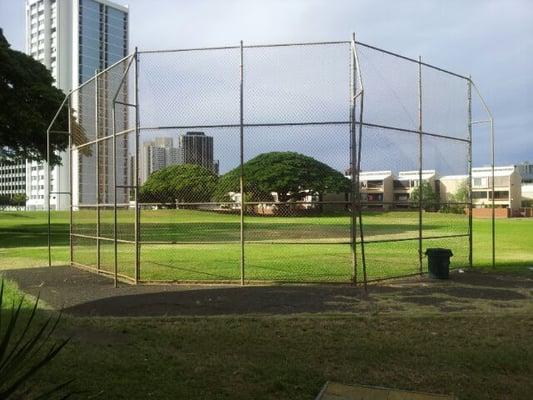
[439, 263]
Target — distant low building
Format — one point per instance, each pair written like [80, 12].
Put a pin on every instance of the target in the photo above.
[527, 194]
[376, 188]
[507, 187]
[407, 181]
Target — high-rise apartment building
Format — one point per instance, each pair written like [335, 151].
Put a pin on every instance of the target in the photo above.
[12, 179]
[197, 148]
[73, 39]
[157, 154]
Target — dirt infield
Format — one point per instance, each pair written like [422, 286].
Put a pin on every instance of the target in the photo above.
[82, 293]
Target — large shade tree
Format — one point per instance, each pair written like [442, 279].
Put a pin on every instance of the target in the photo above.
[185, 183]
[28, 102]
[291, 175]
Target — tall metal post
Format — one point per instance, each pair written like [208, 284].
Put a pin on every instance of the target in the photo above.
[48, 197]
[70, 179]
[469, 184]
[136, 173]
[97, 167]
[48, 184]
[241, 180]
[492, 156]
[115, 232]
[359, 145]
[492, 188]
[420, 166]
[353, 156]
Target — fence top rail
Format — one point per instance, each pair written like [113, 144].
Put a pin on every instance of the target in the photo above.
[319, 43]
[246, 46]
[412, 60]
[104, 71]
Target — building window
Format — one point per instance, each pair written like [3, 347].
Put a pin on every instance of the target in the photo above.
[479, 195]
[500, 195]
[479, 182]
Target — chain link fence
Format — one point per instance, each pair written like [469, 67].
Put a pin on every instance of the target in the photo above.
[312, 162]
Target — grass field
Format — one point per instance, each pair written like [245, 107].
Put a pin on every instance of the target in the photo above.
[482, 350]
[199, 245]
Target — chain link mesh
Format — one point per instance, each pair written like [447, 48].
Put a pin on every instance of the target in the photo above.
[179, 213]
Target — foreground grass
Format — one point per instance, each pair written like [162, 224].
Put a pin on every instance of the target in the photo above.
[475, 356]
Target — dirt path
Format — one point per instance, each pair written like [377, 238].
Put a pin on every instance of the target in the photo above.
[83, 293]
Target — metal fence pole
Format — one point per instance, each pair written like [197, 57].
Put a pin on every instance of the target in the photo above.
[470, 225]
[492, 156]
[97, 167]
[493, 196]
[71, 245]
[353, 155]
[115, 233]
[48, 196]
[359, 144]
[136, 173]
[241, 180]
[48, 185]
[420, 165]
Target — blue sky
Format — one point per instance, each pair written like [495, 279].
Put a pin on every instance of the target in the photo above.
[492, 40]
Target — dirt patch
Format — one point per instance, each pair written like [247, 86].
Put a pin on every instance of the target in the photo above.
[83, 293]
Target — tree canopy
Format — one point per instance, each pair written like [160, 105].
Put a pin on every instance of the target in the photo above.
[17, 200]
[291, 175]
[185, 183]
[28, 101]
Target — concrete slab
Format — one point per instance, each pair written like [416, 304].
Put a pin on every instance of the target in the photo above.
[338, 391]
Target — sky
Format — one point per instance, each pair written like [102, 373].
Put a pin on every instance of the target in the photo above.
[491, 40]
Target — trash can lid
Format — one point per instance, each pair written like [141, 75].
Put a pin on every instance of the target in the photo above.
[438, 252]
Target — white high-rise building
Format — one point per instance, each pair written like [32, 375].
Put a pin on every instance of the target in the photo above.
[12, 180]
[156, 155]
[72, 38]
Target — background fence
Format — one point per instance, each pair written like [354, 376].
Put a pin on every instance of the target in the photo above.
[352, 161]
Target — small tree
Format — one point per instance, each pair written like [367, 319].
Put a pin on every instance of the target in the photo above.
[458, 200]
[5, 201]
[292, 176]
[430, 199]
[19, 200]
[186, 183]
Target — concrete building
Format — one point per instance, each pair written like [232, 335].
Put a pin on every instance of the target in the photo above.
[377, 188]
[527, 194]
[73, 39]
[197, 148]
[507, 187]
[158, 154]
[407, 181]
[12, 179]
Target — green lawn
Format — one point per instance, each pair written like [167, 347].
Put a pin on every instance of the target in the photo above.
[200, 245]
[482, 351]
